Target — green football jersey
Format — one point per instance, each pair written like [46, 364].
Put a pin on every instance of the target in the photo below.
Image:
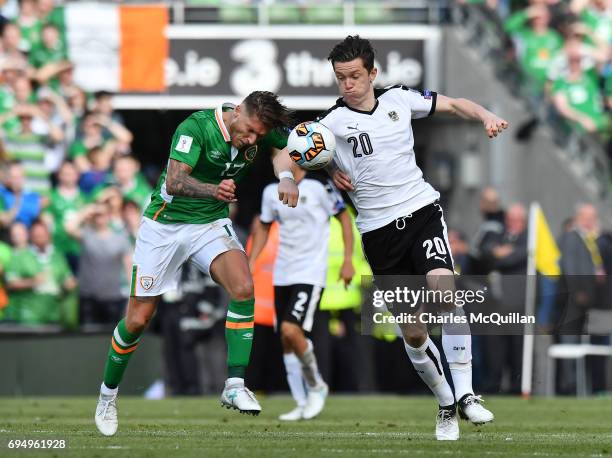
[536, 50]
[203, 142]
[583, 95]
[63, 208]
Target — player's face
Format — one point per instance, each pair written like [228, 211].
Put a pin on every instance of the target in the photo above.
[354, 80]
[245, 130]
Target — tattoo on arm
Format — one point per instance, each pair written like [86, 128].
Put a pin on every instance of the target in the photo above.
[179, 182]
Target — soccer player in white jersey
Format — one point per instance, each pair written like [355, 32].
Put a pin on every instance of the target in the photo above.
[402, 225]
[300, 273]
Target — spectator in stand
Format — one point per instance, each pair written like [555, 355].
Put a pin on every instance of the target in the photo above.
[584, 275]
[52, 110]
[132, 184]
[536, 42]
[22, 273]
[593, 58]
[581, 266]
[58, 279]
[97, 174]
[22, 89]
[29, 25]
[576, 94]
[103, 104]
[92, 136]
[488, 234]
[460, 249]
[30, 148]
[504, 352]
[65, 202]
[49, 49]
[105, 258]
[11, 43]
[17, 203]
[596, 15]
[49, 56]
[112, 198]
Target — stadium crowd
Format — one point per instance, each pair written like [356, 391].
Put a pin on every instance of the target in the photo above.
[69, 184]
[563, 48]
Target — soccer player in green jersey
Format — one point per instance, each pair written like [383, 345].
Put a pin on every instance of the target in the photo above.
[211, 151]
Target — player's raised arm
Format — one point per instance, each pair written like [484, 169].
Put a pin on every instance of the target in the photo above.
[288, 191]
[179, 182]
[466, 109]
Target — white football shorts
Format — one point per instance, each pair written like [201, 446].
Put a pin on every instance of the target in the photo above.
[162, 249]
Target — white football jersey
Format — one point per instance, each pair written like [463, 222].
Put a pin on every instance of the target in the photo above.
[375, 149]
[303, 231]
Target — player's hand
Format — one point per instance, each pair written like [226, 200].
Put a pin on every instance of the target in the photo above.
[495, 126]
[288, 192]
[342, 181]
[225, 191]
[347, 272]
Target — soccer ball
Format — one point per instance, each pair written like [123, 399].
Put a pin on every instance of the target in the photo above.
[311, 145]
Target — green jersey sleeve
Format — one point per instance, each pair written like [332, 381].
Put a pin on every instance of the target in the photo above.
[276, 138]
[187, 142]
[557, 85]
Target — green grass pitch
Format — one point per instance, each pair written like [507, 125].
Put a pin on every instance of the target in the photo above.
[355, 426]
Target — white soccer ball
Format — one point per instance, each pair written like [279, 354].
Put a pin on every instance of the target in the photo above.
[311, 145]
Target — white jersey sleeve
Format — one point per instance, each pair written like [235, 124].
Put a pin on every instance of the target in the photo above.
[268, 213]
[422, 104]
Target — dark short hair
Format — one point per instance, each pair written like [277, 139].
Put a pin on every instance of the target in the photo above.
[268, 109]
[351, 48]
[101, 94]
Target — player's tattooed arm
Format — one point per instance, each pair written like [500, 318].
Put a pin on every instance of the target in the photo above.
[179, 182]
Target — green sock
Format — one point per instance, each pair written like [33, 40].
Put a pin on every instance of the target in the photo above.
[239, 336]
[123, 344]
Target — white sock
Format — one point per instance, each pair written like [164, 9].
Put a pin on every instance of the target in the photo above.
[234, 381]
[310, 370]
[458, 352]
[426, 361]
[293, 367]
[106, 391]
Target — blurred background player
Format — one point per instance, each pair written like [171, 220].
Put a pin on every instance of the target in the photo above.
[403, 228]
[187, 218]
[299, 279]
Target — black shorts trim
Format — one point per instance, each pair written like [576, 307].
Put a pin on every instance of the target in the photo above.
[297, 304]
[412, 245]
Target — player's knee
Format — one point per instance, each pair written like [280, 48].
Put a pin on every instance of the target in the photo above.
[290, 331]
[415, 336]
[137, 323]
[243, 290]
[139, 315]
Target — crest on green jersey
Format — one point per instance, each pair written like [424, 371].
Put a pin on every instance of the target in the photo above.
[250, 153]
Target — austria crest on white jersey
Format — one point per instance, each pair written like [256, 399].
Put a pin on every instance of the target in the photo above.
[375, 149]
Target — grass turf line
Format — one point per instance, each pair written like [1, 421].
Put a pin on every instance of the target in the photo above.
[356, 426]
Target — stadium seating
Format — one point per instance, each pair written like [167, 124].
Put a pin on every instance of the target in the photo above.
[284, 14]
[324, 14]
[237, 14]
